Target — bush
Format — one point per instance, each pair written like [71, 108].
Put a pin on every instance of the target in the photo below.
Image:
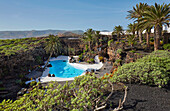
[133, 51]
[166, 46]
[117, 42]
[152, 70]
[119, 51]
[118, 60]
[92, 60]
[109, 42]
[81, 57]
[33, 83]
[101, 58]
[85, 92]
[122, 41]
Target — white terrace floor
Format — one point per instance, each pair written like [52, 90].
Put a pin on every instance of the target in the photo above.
[45, 78]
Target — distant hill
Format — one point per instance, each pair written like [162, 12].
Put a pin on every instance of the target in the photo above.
[34, 33]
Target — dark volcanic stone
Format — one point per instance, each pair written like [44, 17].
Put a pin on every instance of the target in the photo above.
[49, 65]
[144, 98]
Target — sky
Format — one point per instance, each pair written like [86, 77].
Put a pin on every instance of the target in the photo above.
[18, 15]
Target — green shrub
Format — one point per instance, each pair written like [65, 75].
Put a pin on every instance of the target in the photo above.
[86, 47]
[91, 60]
[101, 58]
[83, 93]
[109, 42]
[119, 51]
[81, 57]
[18, 81]
[166, 46]
[133, 51]
[38, 59]
[152, 69]
[33, 83]
[84, 51]
[117, 42]
[118, 60]
[122, 41]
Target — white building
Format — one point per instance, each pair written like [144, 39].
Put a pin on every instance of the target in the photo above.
[106, 33]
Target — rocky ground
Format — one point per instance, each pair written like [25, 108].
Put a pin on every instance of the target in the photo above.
[144, 98]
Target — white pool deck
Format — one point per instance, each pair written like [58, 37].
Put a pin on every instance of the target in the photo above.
[45, 78]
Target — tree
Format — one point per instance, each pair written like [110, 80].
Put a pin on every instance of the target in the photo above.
[97, 36]
[52, 46]
[156, 15]
[137, 13]
[132, 28]
[88, 37]
[118, 30]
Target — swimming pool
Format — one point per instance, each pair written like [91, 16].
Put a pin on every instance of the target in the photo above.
[61, 68]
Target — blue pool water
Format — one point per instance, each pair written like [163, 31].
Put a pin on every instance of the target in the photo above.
[63, 69]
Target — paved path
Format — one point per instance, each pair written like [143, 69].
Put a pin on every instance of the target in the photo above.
[34, 74]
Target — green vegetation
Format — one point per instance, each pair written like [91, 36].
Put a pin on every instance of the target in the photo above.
[92, 60]
[166, 46]
[148, 17]
[109, 42]
[152, 69]
[131, 40]
[14, 46]
[133, 51]
[53, 45]
[33, 83]
[91, 39]
[118, 30]
[132, 28]
[119, 51]
[85, 93]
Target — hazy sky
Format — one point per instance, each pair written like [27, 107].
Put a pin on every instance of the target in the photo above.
[66, 14]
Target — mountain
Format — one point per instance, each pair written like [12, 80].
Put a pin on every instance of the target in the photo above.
[34, 33]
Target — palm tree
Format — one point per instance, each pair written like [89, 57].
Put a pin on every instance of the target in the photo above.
[137, 13]
[52, 46]
[148, 32]
[132, 28]
[156, 16]
[118, 30]
[97, 36]
[88, 37]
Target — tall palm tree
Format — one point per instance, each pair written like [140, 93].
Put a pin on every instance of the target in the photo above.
[52, 46]
[88, 37]
[118, 30]
[157, 15]
[137, 13]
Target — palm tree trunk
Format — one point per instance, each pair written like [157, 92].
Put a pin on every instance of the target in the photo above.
[118, 36]
[148, 39]
[158, 33]
[48, 59]
[140, 36]
[89, 46]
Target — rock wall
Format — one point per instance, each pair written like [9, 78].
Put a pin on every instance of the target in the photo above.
[22, 62]
[123, 53]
